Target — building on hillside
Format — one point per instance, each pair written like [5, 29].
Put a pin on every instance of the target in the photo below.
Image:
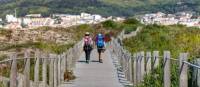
[38, 22]
[160, 14]
[1, 23]
[11, 19]
[34, 15]
[97, 17]
[85, 15]
[119, 19]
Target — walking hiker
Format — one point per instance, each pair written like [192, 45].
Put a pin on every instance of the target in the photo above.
[100, 42]
[87, 46]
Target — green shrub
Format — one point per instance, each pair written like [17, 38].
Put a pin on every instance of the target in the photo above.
[132, 21]
[110, 24]
[129, 28]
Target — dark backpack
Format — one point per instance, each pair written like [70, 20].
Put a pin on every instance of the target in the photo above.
[87, 44]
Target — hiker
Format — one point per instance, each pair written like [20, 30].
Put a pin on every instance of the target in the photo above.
[108, 38]
[100, 43]
[87, 46]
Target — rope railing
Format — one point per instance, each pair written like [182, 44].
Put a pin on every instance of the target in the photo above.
[192, 65]
[173, 59]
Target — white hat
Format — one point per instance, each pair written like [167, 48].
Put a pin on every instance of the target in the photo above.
[87, 33]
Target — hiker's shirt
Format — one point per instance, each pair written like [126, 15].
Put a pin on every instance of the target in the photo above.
[83, 41]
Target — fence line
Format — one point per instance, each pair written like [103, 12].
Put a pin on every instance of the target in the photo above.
[53, 65]
[145, 62]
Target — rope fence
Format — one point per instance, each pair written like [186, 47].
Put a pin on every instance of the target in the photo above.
[51, 67]
[137, 65]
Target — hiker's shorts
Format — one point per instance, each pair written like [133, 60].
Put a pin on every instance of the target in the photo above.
[100, 49]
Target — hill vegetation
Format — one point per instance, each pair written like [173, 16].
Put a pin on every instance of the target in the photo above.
[103, 7]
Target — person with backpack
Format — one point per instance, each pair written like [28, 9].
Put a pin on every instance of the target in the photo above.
[87, 46]
[100, 43]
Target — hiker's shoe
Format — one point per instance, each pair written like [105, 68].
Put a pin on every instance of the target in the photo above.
[87, 61]
[100, 60]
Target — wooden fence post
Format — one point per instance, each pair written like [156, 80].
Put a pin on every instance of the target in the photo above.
[183, 77]
[167, 81]
[59, 69]
[44, 70]
[155, 59]
[51, 71]
[13, 74]
[37, 68]
[69, 59]
[142, 65]
[56, 71]
[130, 67]
[138, 68]
[26, 79]
[148, 62]
[134, 69]
[63, 66]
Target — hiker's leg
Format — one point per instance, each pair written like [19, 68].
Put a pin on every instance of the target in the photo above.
[86, 55]
[99, 52]
[89, 52]
[101, 60]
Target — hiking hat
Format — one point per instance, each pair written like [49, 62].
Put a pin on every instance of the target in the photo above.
[87, 33]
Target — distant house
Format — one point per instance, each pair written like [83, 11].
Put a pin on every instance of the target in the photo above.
[83, 15]
[97, 17]
[11, 19]
[1, 23]
[34, 15]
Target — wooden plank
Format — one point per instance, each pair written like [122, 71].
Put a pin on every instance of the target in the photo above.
[26, 79]
[36, 68]
[148, 62]
[167, 81]
[155, 59]
[183, 70]
[51, 71]
[142, 65]
[13, 74]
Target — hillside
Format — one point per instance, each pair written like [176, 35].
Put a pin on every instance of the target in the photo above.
[103, 7]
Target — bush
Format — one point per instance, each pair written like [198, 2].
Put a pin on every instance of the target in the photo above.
[132, 21]
[129, 28]
[110, 24]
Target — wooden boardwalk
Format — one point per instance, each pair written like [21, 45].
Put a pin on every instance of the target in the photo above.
[95, 74]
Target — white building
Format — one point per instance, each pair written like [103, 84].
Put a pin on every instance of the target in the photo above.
[34, 15]
[83, 15]
[97, 17]
[11, 18]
